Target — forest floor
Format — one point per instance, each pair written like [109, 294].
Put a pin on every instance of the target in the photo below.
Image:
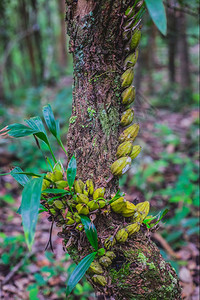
[43, 275]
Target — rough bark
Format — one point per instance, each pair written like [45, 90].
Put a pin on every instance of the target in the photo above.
[95, 29]
[97, 49]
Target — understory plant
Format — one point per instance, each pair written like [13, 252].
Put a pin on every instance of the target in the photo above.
[73, 205]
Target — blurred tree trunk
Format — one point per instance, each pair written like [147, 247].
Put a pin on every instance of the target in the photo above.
[51, 41]
[2, 96]
[24, 17]
[62, 55]
[151, 56]
[3, 46]
[147, 60]
[139, 74]
[95, 29]
[172, 43]
[9, 70]
[183, 53]
[38, 39]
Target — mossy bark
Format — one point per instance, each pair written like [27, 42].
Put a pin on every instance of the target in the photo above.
[95, 29]
[137, 272]
[97, 50]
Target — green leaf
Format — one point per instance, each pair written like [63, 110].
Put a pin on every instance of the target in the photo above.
[30, 208]
[30, 174]
[35, 127]
[194, 230]
[4, 174]
[17, 130]
[36, 124]
[160, 216]
[101, 251]
[33, 293]
[148, 219]
[157, 12]
[79, 272]
[71, 171]
[55, 191]
[174, 236]
[52, 124]
[90, 231]
[190, 222]
[50, 163]
[117, 196]
[42, 208]
[19, 176]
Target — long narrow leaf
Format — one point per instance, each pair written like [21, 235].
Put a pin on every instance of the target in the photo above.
[58, 129]
[36, 124]
[90, 231]
[30, 208]
[17, 130]
[29, 174]
[157, 12]
[71, 171]
[52, 125]
[117, 196]
[4, 174]
[42, 208]
[79, 272]
[50, 163]
[162, 215]
[35, 127]
[20, 176]
[159, 217]
[55, 191]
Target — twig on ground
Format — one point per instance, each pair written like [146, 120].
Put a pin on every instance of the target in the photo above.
[165, 245]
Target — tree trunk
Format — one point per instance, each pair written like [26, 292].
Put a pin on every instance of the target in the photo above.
[38, 39]
[183, 52]
[51, 40]
[62, 43]
[172, 44]
[95, 29]
[150, 58]
[30, 49]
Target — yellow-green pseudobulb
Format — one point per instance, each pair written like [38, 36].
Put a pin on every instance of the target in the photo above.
[127, 117]
[121, 166]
